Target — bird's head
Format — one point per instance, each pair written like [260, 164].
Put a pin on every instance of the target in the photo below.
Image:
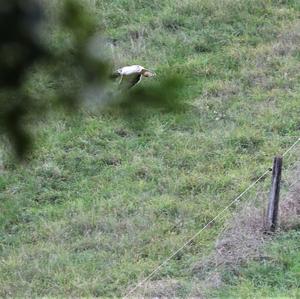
[147, 73]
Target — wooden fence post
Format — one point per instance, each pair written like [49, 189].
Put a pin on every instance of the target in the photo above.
[272, 213]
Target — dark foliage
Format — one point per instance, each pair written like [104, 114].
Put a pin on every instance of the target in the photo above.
[73, 69]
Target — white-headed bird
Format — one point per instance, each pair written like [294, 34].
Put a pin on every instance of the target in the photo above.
[131, 75]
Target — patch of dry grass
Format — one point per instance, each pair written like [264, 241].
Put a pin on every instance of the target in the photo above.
[164, 288]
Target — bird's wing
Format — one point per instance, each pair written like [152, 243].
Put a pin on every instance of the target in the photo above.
[131, 70]
[129, 81]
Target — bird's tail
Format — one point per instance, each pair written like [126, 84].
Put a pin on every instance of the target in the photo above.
[114, 75]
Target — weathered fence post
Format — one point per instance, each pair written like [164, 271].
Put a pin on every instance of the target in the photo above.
[272, 213]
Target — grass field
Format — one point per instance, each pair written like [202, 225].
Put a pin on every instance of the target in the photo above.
[104, 198]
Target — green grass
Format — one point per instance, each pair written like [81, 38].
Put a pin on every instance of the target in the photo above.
[105, 198]
[277, 276]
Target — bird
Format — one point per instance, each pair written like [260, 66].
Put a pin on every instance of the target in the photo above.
[131, 75]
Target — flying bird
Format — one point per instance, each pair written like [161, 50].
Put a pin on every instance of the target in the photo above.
[131, 75]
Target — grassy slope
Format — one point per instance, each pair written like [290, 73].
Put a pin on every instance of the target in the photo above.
[105, 199]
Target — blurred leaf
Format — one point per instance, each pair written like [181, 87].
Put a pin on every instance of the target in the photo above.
[76, 69]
